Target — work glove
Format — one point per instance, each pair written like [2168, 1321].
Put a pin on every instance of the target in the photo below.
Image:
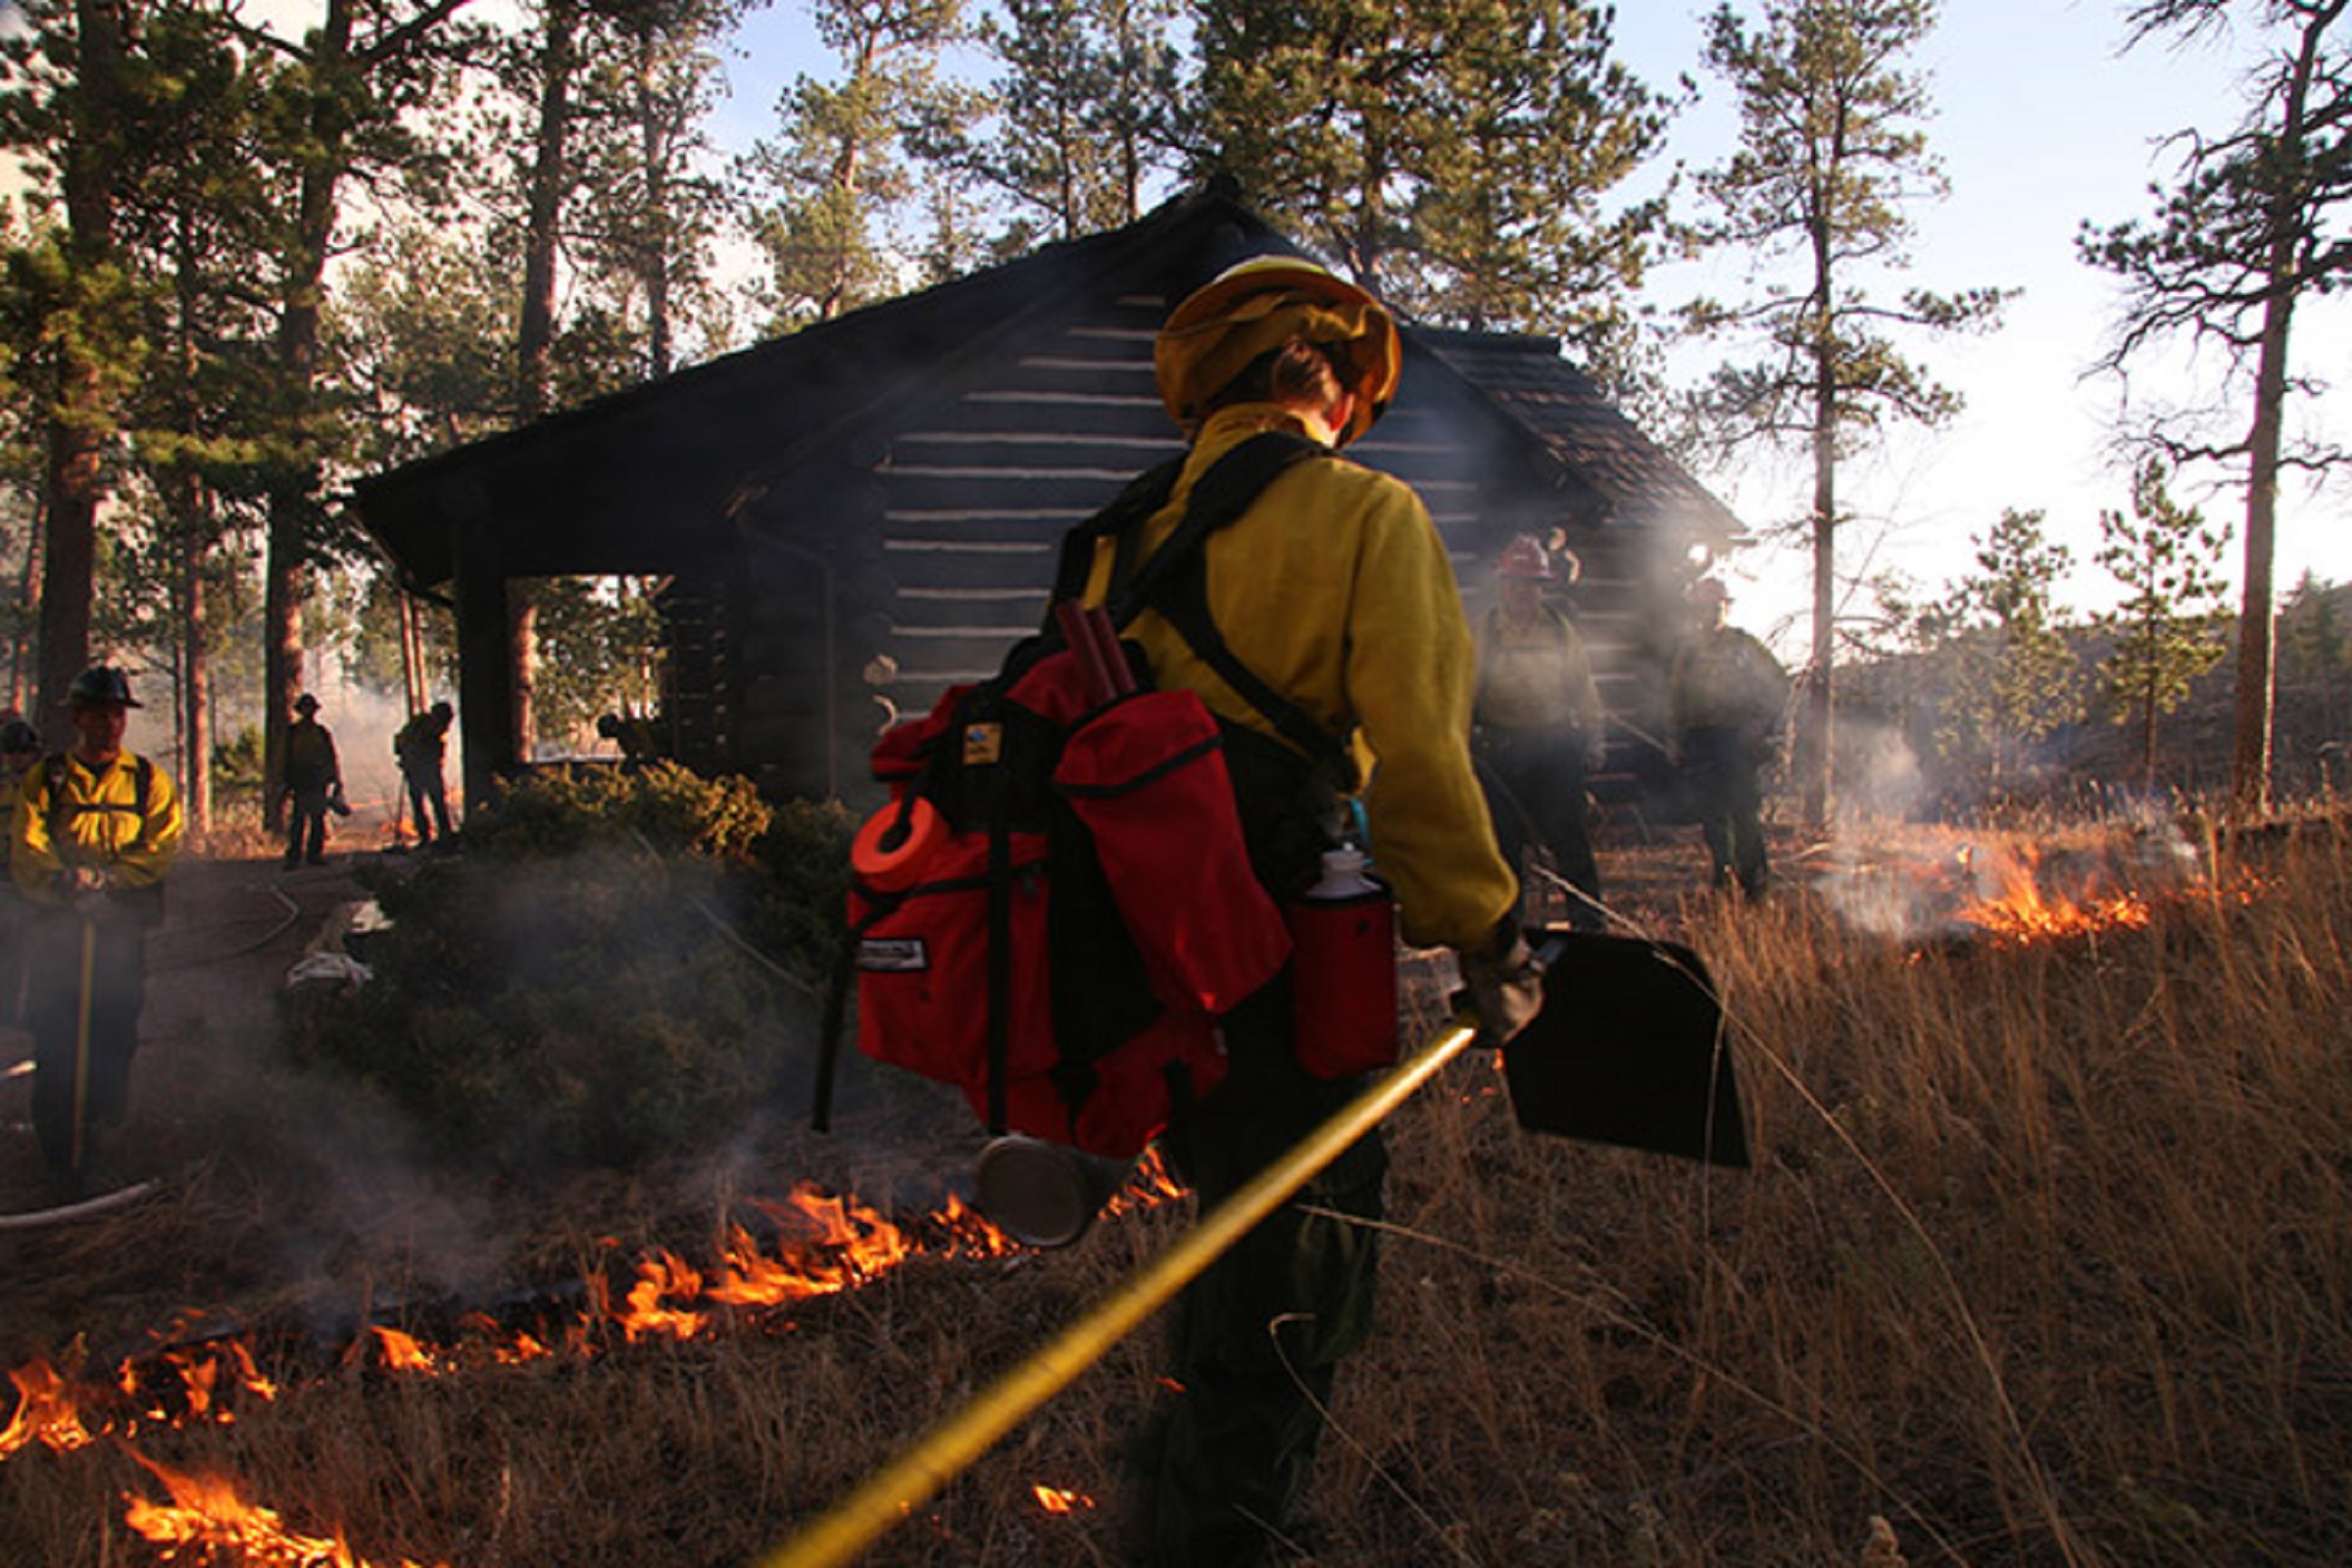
[1504, 984]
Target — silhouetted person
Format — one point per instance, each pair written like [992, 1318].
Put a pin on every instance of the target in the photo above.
[1538, 721]
[634, 735]
[422, 747]
[314, 783]
[1726, 696]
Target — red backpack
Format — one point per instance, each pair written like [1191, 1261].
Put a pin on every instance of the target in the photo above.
[1058, 903]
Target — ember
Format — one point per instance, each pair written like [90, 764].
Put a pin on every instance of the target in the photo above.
[1055, 1500]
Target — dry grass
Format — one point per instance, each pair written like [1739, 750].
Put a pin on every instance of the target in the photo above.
[2045, 1260]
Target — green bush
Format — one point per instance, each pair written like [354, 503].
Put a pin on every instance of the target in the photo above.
[578, 986]
[236, 771]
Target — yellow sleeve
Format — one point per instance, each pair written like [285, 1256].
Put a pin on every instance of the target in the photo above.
[31, 859]
[1410, 672]
[143, 861]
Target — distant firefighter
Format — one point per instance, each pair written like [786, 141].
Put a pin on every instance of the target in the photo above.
[1726, 698]
[314, 784]
[634, 734]
[422, 747]
[1537, 722]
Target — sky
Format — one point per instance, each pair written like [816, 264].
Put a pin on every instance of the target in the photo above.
[2041, 120]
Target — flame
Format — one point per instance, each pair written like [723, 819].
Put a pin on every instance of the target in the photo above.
[207, 1517]
[824, 1244]
[404, 1353]
[2022, 911]
[46, 1410]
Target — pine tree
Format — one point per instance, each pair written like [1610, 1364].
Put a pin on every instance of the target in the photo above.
[1080, 117]
[2014, 677]
[831, 185]
[2166, 635]
[2252, 229]
[1830, 156]
[1455, 156]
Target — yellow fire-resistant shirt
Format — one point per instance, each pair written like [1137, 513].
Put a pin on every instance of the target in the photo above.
[1334, 589]
[98, 823]
[1725, 678]
[1536, 674]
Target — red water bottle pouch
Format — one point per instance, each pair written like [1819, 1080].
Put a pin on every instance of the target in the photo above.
[1343, 982]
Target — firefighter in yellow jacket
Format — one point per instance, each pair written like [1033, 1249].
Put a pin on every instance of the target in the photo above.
[1333, 589]
[95, 830]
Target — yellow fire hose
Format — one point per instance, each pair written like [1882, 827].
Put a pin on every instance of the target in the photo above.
[858, 1520]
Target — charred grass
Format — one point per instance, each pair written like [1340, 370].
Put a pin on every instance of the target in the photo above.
[2045, 1261]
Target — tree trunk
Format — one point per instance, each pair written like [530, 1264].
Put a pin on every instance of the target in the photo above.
[522, 654]
[1818, 747]
[292, 499]
[2282, 279]
[550, 178]
[29, 603]
[73, 481]
[195, 699]
[653, 146]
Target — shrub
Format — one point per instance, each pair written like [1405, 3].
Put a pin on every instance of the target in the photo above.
[563, 992]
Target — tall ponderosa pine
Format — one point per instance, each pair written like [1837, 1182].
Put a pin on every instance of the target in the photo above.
[1455, 156]
[1830, 156]
[827, 190]
[2255, 225]
[196, 223]
[345, 90]
[2164, 556]
[1079, 120]
[652, 210]
[70, 94]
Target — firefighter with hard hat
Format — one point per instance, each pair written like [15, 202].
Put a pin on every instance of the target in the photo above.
[1726, 698]
[1334, 590]
[96, 828]
[314, 784]
[1538, 723]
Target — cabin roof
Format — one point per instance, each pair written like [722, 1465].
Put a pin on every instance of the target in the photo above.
[651, 480]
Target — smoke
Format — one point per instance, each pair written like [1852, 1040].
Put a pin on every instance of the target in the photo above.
[1878, 771]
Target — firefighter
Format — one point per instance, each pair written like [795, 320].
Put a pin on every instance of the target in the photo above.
[1538, 723]
[1334, 590]
[1726, 697]
[314, 783]
[634, 735]
[422, 747]
[96, 828]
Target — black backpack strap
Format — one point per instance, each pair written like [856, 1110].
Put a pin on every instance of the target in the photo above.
[1174, 581]
[1144, 494]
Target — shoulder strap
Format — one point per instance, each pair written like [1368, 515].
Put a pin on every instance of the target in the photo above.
[1144, 494]
[1174, 581]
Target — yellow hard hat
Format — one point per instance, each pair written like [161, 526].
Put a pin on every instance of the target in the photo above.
[1256, 306]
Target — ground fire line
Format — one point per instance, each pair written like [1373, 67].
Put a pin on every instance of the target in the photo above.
[825, 1244]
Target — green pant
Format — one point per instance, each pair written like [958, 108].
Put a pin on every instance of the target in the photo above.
[1259, 1336]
